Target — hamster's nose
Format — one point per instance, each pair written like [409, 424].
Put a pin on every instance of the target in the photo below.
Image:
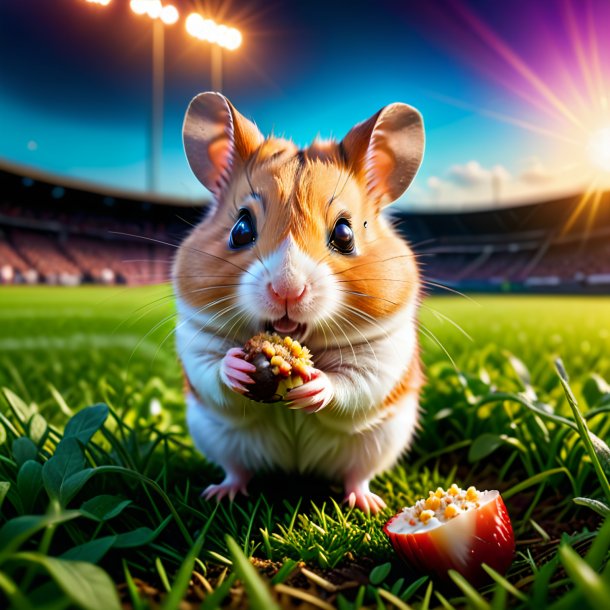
[282, 293]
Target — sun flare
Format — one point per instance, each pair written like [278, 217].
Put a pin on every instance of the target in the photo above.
[598, 149]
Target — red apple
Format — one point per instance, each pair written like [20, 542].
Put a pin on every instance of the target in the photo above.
[455, 529]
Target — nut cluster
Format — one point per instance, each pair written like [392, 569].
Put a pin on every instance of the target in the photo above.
[443, 505]
[282, 364]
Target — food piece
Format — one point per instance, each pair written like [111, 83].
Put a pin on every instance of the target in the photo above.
[457, 529]
[281, 364]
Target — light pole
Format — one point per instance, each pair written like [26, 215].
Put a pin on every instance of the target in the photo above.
[160, 15]
[220, 37]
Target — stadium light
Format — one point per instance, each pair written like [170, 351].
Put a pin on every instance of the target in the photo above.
[100, 2]
[161, 15]
[210, 31]
[219, 36]
[155, 9]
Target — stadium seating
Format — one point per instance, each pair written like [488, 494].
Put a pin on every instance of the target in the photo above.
[80, 236]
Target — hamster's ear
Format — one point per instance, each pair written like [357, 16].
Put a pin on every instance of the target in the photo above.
[386, 151]
[216, 139]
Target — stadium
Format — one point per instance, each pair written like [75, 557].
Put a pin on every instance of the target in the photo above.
[56, 232]
[140, 470]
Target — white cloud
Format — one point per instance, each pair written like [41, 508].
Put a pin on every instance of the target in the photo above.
[468, 175]
[473, 185]
[536, 172]
[434, 183]
[500, 173]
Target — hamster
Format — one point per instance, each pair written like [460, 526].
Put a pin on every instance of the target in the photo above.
[295, 243]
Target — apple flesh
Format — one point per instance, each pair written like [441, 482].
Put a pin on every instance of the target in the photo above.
[476, 531]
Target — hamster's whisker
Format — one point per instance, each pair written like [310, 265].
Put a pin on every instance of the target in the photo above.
[365, 339]
[448, 289]
[434, 338]
[260, 258]
[222, 312]
[152, 304]
[146, 335]
[370, 319]
[332, 318]
[232, 317]
[196, 313]
[368, 296]
[375, 262]
[318, 325]
[440, 315]
[185, 221]
[201, 310]
[216, 287]
[205, 276]
[242, 318]
[325, 321]
[177, 246]
[374, 279]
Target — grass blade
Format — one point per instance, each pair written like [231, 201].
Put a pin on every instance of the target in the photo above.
[259, 595]
[587, 580]
[181, 582]
[585, 433]
[476, 600]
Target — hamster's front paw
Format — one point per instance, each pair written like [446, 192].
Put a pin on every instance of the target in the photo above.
[234, 370]
[312, 396]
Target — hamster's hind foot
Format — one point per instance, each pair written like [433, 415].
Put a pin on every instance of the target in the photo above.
[233, 483]
[358, 494]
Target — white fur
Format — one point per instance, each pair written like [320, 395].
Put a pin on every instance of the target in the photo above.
[350, 440]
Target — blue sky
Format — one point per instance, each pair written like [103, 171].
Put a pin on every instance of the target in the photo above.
[75, 94]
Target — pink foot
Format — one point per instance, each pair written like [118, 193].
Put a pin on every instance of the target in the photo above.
[234, 371]
[313, 395]
[233, 484]
[360, 496]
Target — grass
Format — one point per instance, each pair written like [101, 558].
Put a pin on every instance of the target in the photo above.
[112, 497]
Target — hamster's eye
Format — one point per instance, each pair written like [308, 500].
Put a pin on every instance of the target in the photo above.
[342, 237]
[243, 231]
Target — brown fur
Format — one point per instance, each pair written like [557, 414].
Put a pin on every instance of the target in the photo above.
[296, 187]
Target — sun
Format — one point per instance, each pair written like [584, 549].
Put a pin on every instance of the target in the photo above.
[598, 149]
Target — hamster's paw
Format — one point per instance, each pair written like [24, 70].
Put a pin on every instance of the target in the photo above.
[234, 370]
[313, 395]
[233, 484]
[360, 496]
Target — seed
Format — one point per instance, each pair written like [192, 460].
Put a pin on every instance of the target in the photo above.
[277, 361]
[433, 503]
[426, 515]
[472, 494]
[452, 511]
[268, 349]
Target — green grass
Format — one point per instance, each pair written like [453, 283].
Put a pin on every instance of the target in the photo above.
[114, 496]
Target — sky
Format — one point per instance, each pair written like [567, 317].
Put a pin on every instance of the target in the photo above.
[514, 95]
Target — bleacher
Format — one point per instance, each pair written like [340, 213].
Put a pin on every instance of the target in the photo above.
[551, 246]
[69, 235]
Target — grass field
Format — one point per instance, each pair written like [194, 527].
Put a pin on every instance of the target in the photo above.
[113, 497]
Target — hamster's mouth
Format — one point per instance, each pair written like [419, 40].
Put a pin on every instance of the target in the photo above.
[286, 326]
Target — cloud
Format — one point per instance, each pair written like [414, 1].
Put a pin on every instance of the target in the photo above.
[473, 185]
[500, 173]
[536, 173]
[434, 183]
[473, 174]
